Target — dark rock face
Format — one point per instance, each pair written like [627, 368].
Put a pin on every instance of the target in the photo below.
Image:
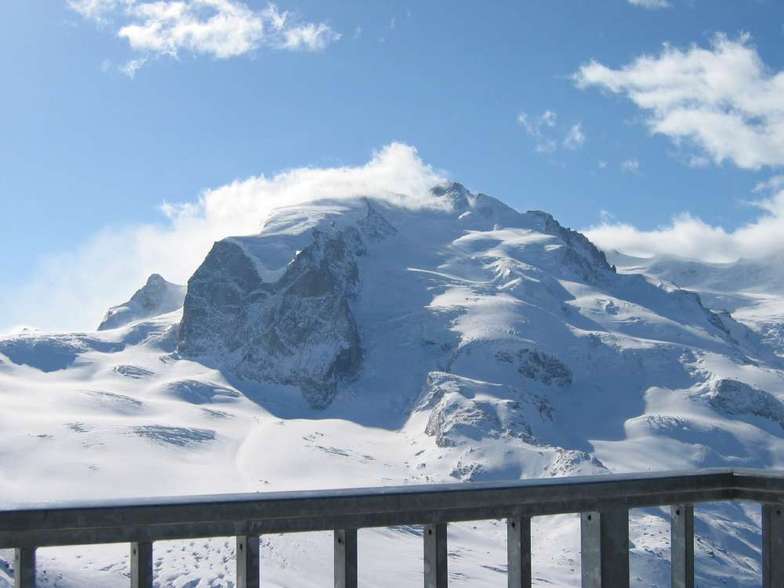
[298, 330]
[476, 211]
[456, 193]
[217, 292]
[539, 366]
[461, 410]
[180, 436]
[197, 392]
[156, 297]
[734, 398]
[133, 372]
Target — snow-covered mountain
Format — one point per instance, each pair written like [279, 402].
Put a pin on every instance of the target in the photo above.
[751, 289]
[156, 297]
[363, 341]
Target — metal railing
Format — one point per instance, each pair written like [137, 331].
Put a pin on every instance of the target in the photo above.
[602, 501]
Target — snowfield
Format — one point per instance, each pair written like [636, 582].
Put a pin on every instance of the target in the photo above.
[357, 342]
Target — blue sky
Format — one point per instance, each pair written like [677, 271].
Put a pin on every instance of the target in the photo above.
[492, 94]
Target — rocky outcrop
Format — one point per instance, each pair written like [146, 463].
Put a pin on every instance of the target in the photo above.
[579, 255]
[572, 462]
[308, 335]
[734, 398]
[217, 295]
[476, 211]
[196, 392]
[156, 297]
[298, 330]
[462, 410]
[538, 366]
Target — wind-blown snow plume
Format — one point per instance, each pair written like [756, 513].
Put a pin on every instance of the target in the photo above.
[73, 289]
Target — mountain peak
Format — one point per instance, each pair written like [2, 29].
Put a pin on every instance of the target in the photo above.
[455, 192]
[157, 296]
[595, 257]
[156, 280]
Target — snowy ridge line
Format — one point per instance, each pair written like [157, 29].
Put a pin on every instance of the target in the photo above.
[277, 512]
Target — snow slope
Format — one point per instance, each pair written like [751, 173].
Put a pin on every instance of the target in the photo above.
[751, 289]
[358, 342]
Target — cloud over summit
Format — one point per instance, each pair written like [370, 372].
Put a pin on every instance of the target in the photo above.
[72, 289]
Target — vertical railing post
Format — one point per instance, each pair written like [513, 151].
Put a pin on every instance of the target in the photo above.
[518, 552]
[772, 545]
[435, 556]
[345, 541]
[248, 561]
[24, 567]
[682, 545]
[604, 540]
[141, 565]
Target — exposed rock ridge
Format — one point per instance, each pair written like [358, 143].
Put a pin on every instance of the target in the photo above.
[581, 251]
[734, 398]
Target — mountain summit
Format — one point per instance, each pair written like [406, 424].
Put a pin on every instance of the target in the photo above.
[157, 296]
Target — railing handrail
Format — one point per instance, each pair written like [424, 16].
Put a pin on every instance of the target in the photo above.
[153, 519]
[602, 501]
[166, 500]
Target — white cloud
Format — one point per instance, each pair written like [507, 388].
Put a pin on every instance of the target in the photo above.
[549, 118]
[651, 4]
[96, 10]
[698, 161]
[691, 237]
[722, 100]
[220, 28]
[575, 137]
[309, 37]
[631, 166]
[217, 28]
[544, 129]
[131, 67]
[72, 290]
